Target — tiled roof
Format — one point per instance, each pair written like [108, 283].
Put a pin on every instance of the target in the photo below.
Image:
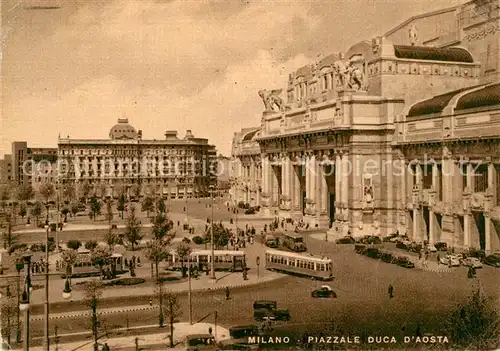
[485, 97]
[432, 54]
[435, 104]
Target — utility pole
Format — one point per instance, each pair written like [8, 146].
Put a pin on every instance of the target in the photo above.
[212, 263]
[160, 298]
[46, 302]
[190, 301]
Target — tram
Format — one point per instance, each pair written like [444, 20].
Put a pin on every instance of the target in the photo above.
[306, 265]
[224, 260]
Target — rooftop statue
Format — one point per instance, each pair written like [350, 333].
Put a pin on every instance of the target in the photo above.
[349, 74]
[272, 100]
[413, 35]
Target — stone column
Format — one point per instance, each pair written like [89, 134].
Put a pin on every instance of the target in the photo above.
[324, 189]
[296, 187]
[266, 186]
[308, 177]
[402, 196]
[312, 182]
[338, 184]
[487, 233]
[467, 223]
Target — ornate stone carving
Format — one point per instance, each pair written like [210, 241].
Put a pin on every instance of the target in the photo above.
[482, 32]
[272, 100]
[350, 73]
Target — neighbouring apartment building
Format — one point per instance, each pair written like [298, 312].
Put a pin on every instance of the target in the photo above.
[399, 133]
[175, 167]
[28, 165]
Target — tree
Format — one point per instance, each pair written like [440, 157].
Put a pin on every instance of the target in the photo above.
[65, 212]
[36, 211]
[9, 237]
[69, 192]
[5, 193]
[69, 257]
[74, 208]
[95, 207]
[148, 205]
[111, 238]
[121, 205]
[171, 310]
[46, 191]
[156, 251]
[221, 235]
[74, 244]
[475, 324]
[22, 210]
[85, 190]
[101, 256]
[183, 251]
[160, 207]
[91, 245]
[161, 226]
[9, 307]
[93, 292]
[25, 192]
[133, 229]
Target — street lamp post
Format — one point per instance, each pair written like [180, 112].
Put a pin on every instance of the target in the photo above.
[46, 302]
[24, 305]
[212, 263]
[190, 301]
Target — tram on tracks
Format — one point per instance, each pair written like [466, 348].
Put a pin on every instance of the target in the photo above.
[224, 260]
[300, 264]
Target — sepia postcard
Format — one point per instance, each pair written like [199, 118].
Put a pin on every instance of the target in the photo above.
[250, 175]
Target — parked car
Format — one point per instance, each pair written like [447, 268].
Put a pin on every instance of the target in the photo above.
[476, 253]
[271, 241]
[441, 246]
[450, 260]
[373, 239]
[267, 310]
[403, 261]
[472, 262]
[323, 291]
[386, 256]
[389, 238]
[492, 260]
[372, 252]
[432, 248]
[345, 240]
[196, 342]
[359, 248]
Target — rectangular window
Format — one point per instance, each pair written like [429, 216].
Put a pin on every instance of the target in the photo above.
[439, 182]
[481, 179]
[463, 171]
[427, 176]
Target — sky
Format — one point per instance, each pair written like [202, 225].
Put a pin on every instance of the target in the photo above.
[73, 67]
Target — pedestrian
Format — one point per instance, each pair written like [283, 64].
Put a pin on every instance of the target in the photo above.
[150, 302]
[419, 255]
[438, 259]
[390, 291]
[227, 292]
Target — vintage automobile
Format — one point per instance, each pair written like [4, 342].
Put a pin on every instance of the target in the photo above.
[492, 260]
[268, 310]
[323, 291]
[472, 262]
[345, 240]
[441, 246]
[359, 248]
[200, 342]
[271, 241]
[405, 262]
[239, 338]
[450, 260]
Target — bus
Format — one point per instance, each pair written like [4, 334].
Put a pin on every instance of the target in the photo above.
[225, 260]
[294, 242]
[306, 265]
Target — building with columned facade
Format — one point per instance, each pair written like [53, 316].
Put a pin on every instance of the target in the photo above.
[175, 167]
[246, 168]
[400, 133]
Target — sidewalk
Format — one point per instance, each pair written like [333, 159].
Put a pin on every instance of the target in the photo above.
[181, 331]
[101, 311]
